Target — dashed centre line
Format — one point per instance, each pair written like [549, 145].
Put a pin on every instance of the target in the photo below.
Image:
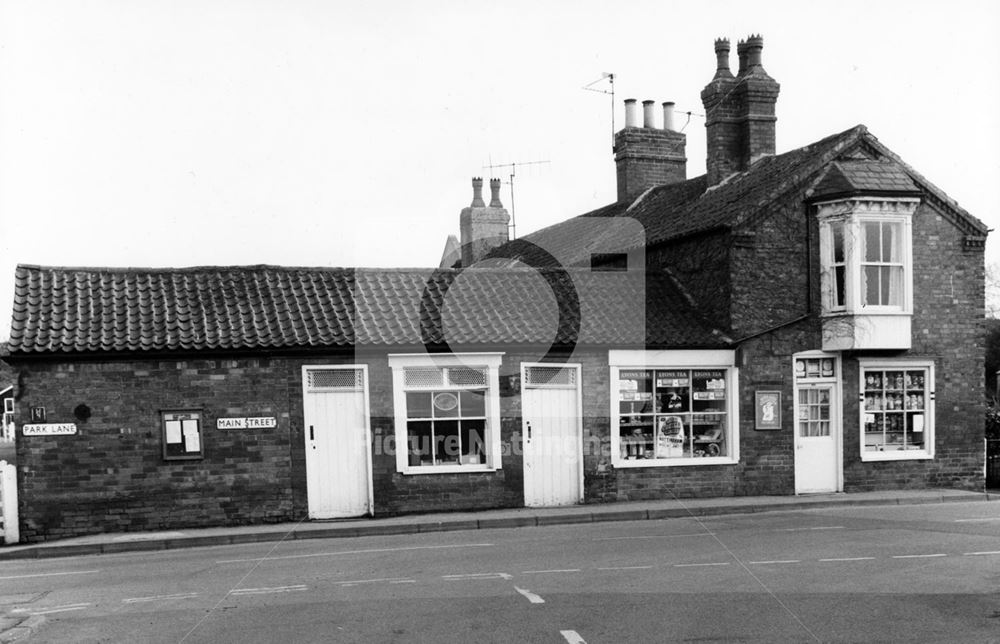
[694, 565]
[268, 591]
[626, 568]
[353, 552]
[656, 536]
[572, 637]
[986, 552]
[156, 598]
[391, 580]
[937, 554]
[542, 572]
[977, 520]
[849, 559]
[52, 574]
[53, 609]
[776, 561]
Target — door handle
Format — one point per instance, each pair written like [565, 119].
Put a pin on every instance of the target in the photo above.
[312, 436]
[528, 425]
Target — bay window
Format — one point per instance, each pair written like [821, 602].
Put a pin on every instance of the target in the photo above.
[897, 409]
[867, 276]
[673, 408]
[447, 412]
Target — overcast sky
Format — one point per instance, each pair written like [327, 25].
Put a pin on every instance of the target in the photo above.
[182, 133]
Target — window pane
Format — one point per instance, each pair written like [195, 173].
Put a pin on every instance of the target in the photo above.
[870, 285]
[473, 403]
[445, 404]
[889, 235]
[838, 288]
[447, 445]
[709, 432]
[872, 241]
[708, 390]
[894, 282]
[837, 232]
[418, 442]
[418, 404]
[473, 439]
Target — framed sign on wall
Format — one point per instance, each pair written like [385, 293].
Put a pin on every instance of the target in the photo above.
[767, 410]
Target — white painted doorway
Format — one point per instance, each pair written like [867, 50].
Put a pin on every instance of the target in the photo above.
[337, 441]
[818, 426]
[552, 434]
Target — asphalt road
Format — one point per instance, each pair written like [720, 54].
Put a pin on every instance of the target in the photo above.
[927, 573]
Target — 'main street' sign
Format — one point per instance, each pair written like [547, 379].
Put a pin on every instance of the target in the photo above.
[266, 422]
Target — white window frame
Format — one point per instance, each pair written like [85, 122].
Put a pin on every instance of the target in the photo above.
[853, 213]
[719, 359]
[929, 433]
[488, 361]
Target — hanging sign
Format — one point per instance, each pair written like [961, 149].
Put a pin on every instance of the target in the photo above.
[767, 410]
[49, 429]
[265, 422]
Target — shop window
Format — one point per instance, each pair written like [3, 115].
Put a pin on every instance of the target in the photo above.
[447, 412]
[897, 410]
[668, 415]
[182, 438]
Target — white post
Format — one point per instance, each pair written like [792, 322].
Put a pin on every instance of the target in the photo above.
[8, 502]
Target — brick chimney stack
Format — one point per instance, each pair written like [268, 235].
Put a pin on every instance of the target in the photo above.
[740, 111]
[648, 156]
[483, 227]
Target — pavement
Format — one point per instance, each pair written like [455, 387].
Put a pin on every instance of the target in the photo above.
[481, 520]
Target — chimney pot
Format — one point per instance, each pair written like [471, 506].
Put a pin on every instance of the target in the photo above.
[630, 113]
[722, 57]
[477, 192]
[754, 46]
[647, 114]
[495, 194]
[741, 51]
[668, 116]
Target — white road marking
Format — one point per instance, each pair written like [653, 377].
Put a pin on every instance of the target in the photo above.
[626, 568]
[572, 637]
[987, 552]
[939, 554]
[542, 572]
[658, 536]
[356, 552]
[52, 609]
[52, 574]
[477, 575]
[850, 559]
[155, 598]
[822, 527]
[977, 520]
[267, 591]
[776, 561]
[532, 597]
[724, 563]
[391, 580]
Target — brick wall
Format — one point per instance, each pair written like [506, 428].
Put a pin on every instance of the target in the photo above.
[647, 157]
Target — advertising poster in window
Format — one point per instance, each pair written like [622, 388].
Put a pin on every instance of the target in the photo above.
[767, 410]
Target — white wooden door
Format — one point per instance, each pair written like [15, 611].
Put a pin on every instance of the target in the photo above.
[337, 439]
[552, 429]
[817, 431]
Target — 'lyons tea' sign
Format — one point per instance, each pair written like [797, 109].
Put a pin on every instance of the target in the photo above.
[266, 422]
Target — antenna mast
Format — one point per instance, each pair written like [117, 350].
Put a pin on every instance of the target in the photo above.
[610, 77]
[513, 173]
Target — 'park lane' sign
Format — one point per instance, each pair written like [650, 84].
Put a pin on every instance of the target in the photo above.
[49, 429]
[265, 422]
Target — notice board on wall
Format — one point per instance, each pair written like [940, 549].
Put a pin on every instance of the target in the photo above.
[182, 435]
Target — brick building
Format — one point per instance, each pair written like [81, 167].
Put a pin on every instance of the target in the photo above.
[787, 323]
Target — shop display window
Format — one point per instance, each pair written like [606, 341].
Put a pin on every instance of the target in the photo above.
[897, 411]
[447, 412]
[666, 414]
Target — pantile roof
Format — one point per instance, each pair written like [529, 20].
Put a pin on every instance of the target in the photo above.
[86, 310]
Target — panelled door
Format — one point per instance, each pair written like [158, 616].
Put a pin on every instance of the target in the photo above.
[552, 434]
[817, 424]
[337, 440]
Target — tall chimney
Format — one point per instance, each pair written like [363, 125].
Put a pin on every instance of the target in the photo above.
[740, 118]
[482, 227]
[495, 194]
[647, 156]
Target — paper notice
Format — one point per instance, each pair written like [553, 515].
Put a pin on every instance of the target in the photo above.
[192, 441]
[173, 428]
